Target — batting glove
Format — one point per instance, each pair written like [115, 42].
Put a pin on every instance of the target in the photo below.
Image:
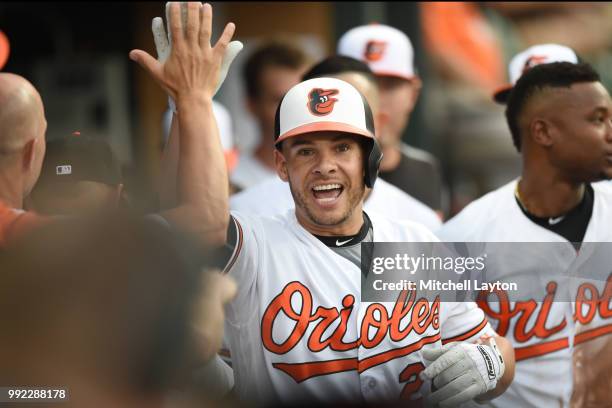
[163, 44]
[462, 371]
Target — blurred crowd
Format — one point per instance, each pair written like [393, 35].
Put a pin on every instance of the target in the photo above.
[124, 308]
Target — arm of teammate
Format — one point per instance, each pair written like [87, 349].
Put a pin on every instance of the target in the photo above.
[190, 76]
[171, 155]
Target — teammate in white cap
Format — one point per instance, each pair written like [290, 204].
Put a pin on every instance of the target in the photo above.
[273, 197]
[390, 55]
[295, 327]
[560, 117]
[529, 58]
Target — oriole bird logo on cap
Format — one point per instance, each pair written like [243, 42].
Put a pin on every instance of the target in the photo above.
[374, 50]
[320, 101]
[533, 61]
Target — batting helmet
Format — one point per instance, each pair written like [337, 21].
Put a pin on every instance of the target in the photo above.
[329, 104]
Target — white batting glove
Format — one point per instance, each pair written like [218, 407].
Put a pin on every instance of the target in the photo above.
[163, 44]
[462, 371]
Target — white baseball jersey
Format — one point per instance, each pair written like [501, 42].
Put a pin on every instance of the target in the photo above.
[542, 331]
[298, 331]
[273, 196]
[249, 172]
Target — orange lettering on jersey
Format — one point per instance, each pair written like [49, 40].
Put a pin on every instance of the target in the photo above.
[588, 295]
[421, 313]
[413, 384]
[335, 342]
[524, 310]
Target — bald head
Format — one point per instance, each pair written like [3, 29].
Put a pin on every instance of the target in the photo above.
[21, 113]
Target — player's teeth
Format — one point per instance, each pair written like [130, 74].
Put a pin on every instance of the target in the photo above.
[327, 187]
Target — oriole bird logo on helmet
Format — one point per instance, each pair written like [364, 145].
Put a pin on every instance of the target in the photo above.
[374, 50]
[533, 61]
[321, 101]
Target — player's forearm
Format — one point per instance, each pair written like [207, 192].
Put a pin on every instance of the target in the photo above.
[507, 352]
[169, 167]
[202, 180]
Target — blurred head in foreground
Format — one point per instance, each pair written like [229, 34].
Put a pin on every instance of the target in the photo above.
[107, 308]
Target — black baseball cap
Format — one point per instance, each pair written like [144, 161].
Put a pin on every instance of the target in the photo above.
[80, 158]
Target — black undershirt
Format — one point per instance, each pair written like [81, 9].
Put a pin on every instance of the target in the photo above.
[347, 240]
[574, 224]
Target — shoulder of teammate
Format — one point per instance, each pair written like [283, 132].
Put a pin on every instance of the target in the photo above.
[387, 229]
[420, 155]
[397, 204]
[266, 198]
[603, 189]
[15, 223]
[478, 214]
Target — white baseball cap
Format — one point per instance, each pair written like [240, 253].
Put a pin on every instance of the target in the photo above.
[387, 50]
[532, 56]
[323, 104]
[226, 132]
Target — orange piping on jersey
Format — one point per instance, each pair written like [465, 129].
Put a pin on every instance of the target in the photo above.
[303, 371]
[593, 333]
[467, 334]
[389, 355]
[540, 349]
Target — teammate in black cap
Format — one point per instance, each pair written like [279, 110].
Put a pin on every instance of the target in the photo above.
[80, 175]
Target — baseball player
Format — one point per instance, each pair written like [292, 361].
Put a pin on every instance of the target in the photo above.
[292, 273]
[560, 117]
[298, 330]
[80, 175]
[390, 55]
[273, 196]
[22, 149]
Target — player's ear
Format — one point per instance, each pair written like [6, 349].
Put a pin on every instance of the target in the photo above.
[541, 132]
[415, 90]
[281, 164]
[28, 156]
[381, 121]
[251, 104]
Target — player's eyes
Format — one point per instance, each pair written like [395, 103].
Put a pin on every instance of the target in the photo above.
[599, 119]
[305, 152]
[344, 147]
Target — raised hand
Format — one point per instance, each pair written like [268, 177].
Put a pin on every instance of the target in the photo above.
[193, 66]
[163, 45]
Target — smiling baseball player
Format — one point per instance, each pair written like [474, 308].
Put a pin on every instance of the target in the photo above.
[560, 117]
[296, 328]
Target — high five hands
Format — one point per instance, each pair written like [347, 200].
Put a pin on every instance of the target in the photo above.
[188, 65]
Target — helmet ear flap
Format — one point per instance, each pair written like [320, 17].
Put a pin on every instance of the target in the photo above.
[373, 156]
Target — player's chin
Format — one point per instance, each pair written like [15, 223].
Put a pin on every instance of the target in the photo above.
[329, 217]
[605, 172]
